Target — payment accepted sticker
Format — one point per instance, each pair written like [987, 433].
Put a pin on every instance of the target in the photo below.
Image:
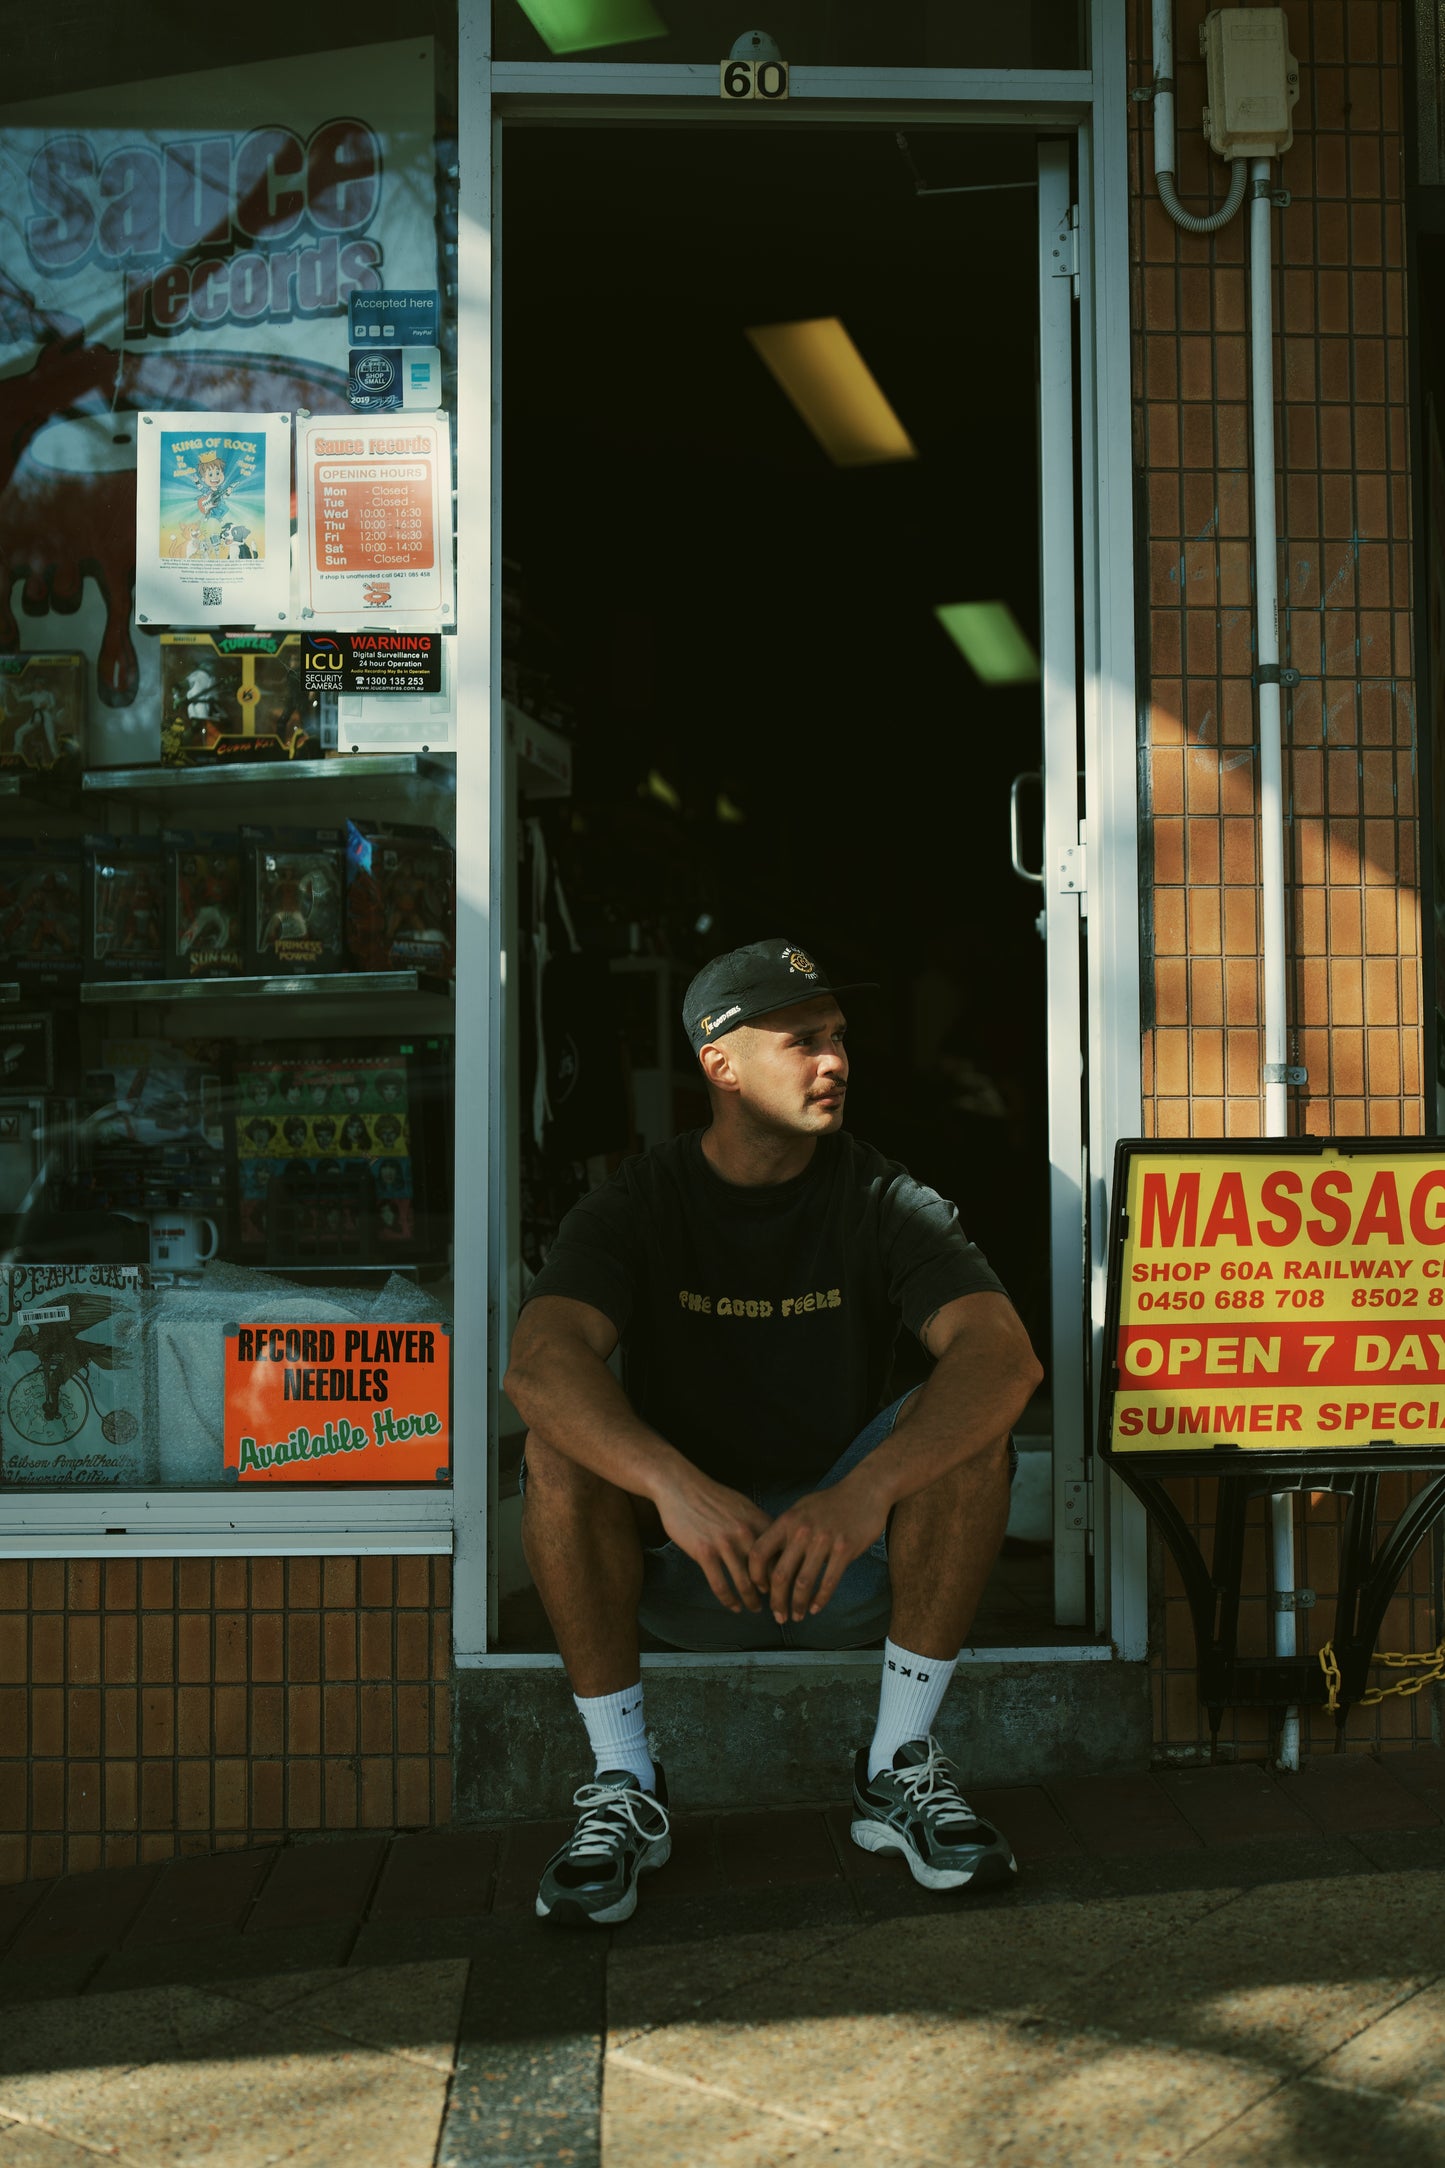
[1282, 1297]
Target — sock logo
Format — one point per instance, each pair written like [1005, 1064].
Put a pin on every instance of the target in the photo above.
[906, 1672]
[631, 1708]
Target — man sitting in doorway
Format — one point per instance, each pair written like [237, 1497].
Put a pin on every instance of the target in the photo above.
[743, 1487]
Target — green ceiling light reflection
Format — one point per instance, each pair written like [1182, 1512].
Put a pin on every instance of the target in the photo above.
[731, 816]
[657, 786]
[579, 26]
[991, 640]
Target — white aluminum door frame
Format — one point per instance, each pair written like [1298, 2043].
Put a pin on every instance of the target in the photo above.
[1091, 103]
[1063, 878]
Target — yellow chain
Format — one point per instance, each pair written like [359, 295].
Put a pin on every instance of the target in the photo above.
[1397, 1658]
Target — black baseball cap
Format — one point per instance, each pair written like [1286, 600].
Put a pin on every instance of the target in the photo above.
[751, 982]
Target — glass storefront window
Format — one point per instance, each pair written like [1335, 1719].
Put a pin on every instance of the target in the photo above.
[810, 33]
[227, 890]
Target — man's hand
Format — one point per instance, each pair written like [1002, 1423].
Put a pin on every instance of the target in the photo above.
[716, 1527]
[800, 1559]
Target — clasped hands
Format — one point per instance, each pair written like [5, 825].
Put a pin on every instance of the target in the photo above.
[791, 1565]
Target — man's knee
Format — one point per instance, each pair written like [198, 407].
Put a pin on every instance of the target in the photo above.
[550, 1477]
[984, 1475]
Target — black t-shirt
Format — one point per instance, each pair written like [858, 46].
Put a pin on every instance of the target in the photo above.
[758, 1324]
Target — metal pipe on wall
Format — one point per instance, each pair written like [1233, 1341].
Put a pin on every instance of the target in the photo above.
[1257, 176]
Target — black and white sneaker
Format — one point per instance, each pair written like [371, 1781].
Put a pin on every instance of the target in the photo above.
[916, 1808]
[622, 1832]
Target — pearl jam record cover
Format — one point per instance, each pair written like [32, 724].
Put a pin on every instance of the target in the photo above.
[42, 715]
[72, 1390]
[237, 696]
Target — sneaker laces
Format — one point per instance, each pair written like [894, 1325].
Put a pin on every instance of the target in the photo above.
[932, 1784]
[608, 1812]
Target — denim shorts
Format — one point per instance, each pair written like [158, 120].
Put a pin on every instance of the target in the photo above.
[677, 1605]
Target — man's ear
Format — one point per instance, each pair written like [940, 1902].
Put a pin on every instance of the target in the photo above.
[717, 1067]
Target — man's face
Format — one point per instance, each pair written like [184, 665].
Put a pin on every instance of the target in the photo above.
[790, 1068]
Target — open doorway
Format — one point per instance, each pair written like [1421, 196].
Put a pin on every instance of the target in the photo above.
[740, 701]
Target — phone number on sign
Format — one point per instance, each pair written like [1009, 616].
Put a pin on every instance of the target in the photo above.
[382, 681]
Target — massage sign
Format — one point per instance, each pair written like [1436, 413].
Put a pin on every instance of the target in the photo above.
[1278, 1297]
[343, 1403]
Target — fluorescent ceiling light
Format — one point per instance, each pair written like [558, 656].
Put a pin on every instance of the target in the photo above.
[577, 26]
[987, 635]
[834, 390]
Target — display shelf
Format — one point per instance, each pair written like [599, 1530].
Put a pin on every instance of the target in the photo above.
[54, 789]
[321, 985]
[266, 774]
[9, 991]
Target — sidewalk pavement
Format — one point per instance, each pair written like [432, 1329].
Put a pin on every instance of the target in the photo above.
[1214, 1966]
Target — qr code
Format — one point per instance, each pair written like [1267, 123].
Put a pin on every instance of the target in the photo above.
[210, 598]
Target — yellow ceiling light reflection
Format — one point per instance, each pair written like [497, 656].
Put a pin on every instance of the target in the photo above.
[580, 26]
[657, 786]
[731, 816]
[991, 640]
[834, 390]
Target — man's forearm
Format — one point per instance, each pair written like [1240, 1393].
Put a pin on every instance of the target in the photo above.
[973, 1398]
[570, 1398]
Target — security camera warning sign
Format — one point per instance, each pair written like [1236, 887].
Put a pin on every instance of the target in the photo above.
[1278, 1298]
[338, 1403]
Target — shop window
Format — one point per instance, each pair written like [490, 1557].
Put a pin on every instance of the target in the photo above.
[227, 889]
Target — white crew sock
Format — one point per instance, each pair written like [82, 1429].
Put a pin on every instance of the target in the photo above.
[913, 1688]
[618, 1732]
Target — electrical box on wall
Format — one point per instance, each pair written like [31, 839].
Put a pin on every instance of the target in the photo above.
[1253, 82]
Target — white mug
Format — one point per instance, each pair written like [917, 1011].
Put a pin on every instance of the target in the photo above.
[176, 1239]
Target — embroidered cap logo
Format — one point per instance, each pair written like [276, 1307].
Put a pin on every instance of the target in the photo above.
[800, 960]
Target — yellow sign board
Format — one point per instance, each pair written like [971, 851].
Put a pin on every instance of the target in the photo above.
[1285, 1297]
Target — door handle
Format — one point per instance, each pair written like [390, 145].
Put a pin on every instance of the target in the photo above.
[1025, 873]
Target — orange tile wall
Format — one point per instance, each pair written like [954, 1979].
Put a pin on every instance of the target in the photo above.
[160, 1706]
[1351, 812]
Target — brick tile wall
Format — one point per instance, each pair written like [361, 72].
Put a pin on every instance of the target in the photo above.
[160, 1706]
[1342, 417]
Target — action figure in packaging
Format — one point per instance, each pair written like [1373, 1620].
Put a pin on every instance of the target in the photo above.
[203, 907]
[40, 913]
[124, 914]
[401, 909]
[295, 881]
[42, 709]
[238, 696]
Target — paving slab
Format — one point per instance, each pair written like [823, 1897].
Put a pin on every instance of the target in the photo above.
[760, 1851]
[1224, 1805]
[1122, 1814]
[313, 1883]
[84, 1912]
[650, 1984]
[1313, 2125]
[1402, 2054]
[670, 2123]
[201, 1896]
[1062, 2099]
[1355, 1793]
[168, 2076]
[435, 1876]
[210, 1958]
[411, 2010]
[1283, 1975]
